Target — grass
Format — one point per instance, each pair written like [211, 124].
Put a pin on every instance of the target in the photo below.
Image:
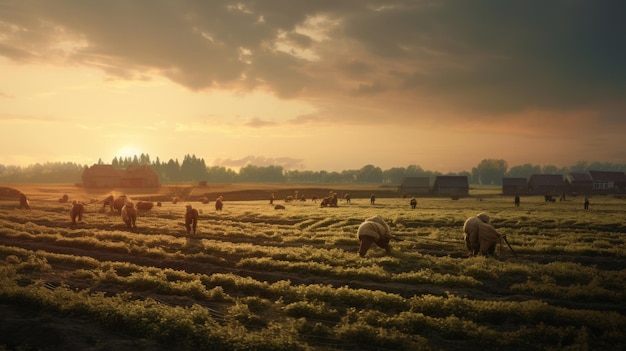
[258, 278]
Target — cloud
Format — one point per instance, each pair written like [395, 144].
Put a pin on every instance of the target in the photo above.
[287, 163]
[357, 60]
[8, 117]
[258, 123]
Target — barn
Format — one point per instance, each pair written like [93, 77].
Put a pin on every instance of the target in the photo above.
[579, 183]
[451, 186]
[608, 182]
[514, 186]
[101, 176]
[412, 186]
[546, 184]
[107, 176]
[139, 176]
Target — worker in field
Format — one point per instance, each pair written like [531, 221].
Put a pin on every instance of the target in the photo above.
[76, 212]
[191, 219]
[479, 236]
[24, 203]
[374, 230]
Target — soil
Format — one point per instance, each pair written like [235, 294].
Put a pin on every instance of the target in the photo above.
[27, 328]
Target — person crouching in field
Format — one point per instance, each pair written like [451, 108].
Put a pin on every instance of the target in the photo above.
[191, 220]
[479, 236]
[76, 213]
[373, 230]
[24, 203]
[129, 215]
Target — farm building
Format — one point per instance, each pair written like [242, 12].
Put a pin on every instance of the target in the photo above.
[451, 185]
[514, 186]
[546, 184]
[579, 183]
[101, 176]
[139, 176]
[107, 176]
[608, 182]
[412, 186]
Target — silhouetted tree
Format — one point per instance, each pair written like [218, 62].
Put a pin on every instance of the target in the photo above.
[523, 171]
[394, 175]
[252, 173]
[193, 169]
[369, 174]
[218, 174]
[171, 171]
[490, 171]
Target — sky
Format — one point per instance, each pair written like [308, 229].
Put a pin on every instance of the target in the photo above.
[314, 85]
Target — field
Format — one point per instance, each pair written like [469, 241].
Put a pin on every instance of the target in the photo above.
[256, 278]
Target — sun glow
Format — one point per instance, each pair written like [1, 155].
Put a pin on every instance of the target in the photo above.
[128, 151]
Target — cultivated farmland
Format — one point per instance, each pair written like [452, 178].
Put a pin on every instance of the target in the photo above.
[256, 278]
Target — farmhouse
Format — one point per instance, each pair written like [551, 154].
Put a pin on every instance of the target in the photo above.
[107, 176]
[412, 186]
[546, 184]
[607, 182]
[579, 183]
[514, 186]
[451, 185]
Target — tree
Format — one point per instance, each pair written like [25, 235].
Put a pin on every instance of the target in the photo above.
[220, 174]
[580, 167]
[193, 168]
[491, 171]
[252, 173]
[394, 175]
[171, 171]
[523, 171]
[369, 174]
[416, 171]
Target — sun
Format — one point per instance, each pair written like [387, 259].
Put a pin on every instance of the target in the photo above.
[128, 151]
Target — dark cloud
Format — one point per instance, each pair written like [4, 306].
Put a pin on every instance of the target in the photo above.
[478, 57]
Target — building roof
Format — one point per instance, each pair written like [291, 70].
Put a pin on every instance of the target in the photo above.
[575, 177]
[616, 177]
[416, 182]
[457, 181]
[546, 179]
[134, 171]
[109, 176]
[103, 171]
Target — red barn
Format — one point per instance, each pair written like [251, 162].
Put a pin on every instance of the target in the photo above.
[106, 176]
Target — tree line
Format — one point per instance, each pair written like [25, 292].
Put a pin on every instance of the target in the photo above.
[194, 169]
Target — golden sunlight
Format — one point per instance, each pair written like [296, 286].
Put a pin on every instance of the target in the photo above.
[128, 151]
